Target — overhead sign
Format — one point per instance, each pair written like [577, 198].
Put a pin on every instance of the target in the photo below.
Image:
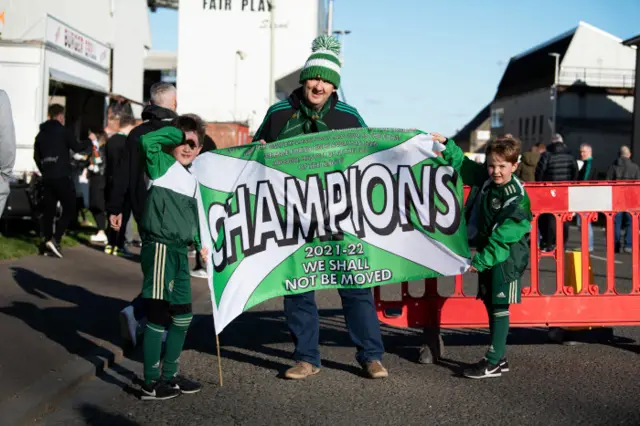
[76, 43]
[237, 5]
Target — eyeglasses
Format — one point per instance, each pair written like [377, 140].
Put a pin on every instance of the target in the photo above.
[192, 144]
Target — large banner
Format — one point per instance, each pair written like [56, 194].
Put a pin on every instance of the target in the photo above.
[342, 209]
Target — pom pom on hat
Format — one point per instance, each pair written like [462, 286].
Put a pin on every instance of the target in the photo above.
[324, 61]
[326, 42]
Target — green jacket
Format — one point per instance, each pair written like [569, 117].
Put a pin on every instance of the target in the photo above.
[171, 211]
[502, 218]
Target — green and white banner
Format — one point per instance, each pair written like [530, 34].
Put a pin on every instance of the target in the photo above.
[342, 209]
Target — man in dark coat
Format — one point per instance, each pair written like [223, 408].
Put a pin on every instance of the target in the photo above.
[313, 108]
[623, 169]
[557, 164]
[51, 154]
[527, 168]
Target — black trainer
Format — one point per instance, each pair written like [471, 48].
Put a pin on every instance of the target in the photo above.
[158, 390]
[54, 247]
[504, 365]
[184, 385]
[482, 370]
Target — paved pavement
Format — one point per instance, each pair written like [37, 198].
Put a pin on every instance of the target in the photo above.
[58, 322]
[548, 383]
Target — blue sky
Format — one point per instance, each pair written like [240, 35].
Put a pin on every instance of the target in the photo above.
[433, 64]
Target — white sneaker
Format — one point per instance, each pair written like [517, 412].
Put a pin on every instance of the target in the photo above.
[100, 237]
[128, 325]
[199, 273]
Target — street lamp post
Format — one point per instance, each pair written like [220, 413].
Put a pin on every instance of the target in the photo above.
[343, 39]
[554, 104]
[342, 36]
[240, 56]
[330, 18]
[272, 50]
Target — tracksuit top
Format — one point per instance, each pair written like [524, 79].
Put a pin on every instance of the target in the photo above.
[501, 214]
[171, 211]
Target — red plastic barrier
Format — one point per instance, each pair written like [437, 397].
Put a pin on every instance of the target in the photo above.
[563, 308]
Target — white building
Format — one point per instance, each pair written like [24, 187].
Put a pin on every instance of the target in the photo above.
[224, 55]
[69, 51]
[595, 81]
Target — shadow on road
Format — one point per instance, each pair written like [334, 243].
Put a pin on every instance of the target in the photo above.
[249, 339]
[96, 416]
[252, 336]
[90, 315]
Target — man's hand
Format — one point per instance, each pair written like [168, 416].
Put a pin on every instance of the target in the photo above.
[472, 269]
[438, 138]
[262, 141]
[204, 253]
[115, 221]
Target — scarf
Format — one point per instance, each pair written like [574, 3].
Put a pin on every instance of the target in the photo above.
[306, 120]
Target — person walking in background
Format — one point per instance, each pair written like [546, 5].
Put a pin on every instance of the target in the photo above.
[51, 154]
[79, 163]
[587, 172]
[555, 165]
[623, 169]
[114, 152]
[97, 187]
[527, 168]
[7, 148]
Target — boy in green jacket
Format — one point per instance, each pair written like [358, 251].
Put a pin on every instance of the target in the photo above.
[169, 225]
[503, 219]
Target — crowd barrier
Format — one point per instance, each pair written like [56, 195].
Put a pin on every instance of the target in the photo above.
[581, 304]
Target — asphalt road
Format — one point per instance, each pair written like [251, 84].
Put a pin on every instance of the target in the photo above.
[549, 384]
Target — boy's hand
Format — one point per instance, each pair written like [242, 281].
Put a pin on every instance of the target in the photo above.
[115, 221]
[472, 269]
[204, 253]
[439, 138]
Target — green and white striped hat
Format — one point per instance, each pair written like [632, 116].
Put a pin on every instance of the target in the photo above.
[324, 62]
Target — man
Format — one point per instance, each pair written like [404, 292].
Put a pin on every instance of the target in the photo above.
[587, 172]
[527, 168]
[121, 124]
[312, 108]
[130, 184]
[623, 169]
[7, 148]
[51, 154]
[556, 164]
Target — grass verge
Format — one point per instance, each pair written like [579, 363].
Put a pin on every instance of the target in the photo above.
[22, 240]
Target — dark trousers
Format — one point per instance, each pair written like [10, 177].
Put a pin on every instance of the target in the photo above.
[62, 190]
[618, 230]
[359, 313]
[547, 228]
[139, 304]
[97, 200]
[199, 262]
[118, 238]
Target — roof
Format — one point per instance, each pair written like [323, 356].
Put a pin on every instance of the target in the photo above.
[633, 41]
[534, 68]
[464, 134]
[159, 60]
[169, 4]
